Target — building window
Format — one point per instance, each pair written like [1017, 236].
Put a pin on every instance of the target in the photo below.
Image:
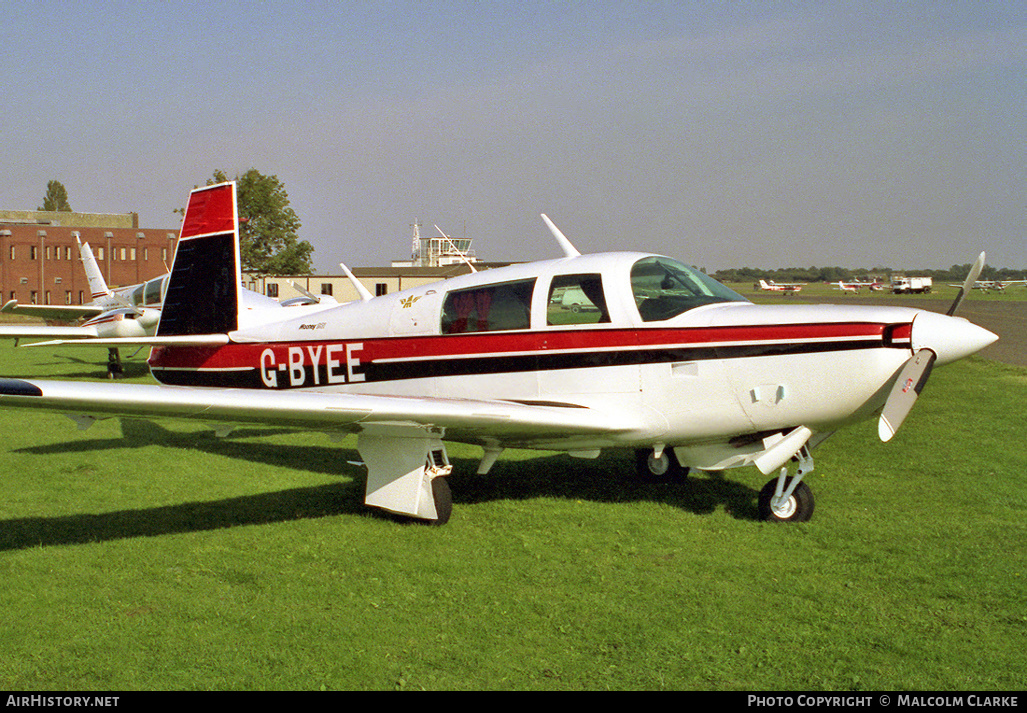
[381, 288]
[272, 290]
[67, 297]
[132, 254]
[99, 253]
[12, 252]
[326, 288]
[33, 297]
[33, 253]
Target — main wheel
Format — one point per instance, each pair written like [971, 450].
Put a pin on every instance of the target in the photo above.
[798, 507]
[666, 467]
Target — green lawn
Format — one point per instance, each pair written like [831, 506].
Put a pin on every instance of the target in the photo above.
[140, 556]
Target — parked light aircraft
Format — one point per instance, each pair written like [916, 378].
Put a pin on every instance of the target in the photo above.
[996, 285]
[671, 364]
[858, 285]
[131, 311]
[125, 312]
[787, 288]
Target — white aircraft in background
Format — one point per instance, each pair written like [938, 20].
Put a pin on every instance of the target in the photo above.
[131, 311]
[787, 288]
[857, 285]
[996, 285]
[670, 363]
[125, 313]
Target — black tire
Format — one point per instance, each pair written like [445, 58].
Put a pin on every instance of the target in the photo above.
[443, 497]
[665, 468]
[799, 507]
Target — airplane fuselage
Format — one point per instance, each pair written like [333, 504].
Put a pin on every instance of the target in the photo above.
[714, 372]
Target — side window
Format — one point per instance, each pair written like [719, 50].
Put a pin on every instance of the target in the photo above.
[576, 299]
[488, 309]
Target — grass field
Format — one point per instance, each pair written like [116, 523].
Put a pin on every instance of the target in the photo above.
[137, 556]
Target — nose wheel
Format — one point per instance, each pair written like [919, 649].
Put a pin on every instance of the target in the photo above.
[787, 498]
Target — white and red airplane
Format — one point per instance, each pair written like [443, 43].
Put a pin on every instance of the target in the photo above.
[671, 364]
[855, 286]
[787, 288]
[994, 285]
[131, 311]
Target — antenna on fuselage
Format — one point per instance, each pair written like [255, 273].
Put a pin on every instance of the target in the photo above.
[365, 295]
[565, 244]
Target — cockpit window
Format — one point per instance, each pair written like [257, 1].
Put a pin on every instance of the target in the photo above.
[664, 288]
[491, 308]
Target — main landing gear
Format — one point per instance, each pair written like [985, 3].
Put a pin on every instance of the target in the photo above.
[788, 499]
[659, 464]
[114, 368]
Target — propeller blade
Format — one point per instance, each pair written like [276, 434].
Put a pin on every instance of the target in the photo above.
[968, 284]
[903, 395]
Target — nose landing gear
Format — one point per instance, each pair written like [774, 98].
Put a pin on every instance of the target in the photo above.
[788, 499]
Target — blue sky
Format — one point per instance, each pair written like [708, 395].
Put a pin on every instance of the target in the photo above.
[724, 134]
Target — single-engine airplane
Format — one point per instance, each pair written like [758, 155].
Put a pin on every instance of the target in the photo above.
[994, 285]
[857, 285]
[789, 288]
[670, 363]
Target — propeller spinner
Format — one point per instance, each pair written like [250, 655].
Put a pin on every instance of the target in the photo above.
[936, 338]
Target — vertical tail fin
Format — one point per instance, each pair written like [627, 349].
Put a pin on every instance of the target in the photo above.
[97, 285]
[203, 288]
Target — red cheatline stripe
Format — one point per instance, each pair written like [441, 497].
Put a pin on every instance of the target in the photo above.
[234, 356]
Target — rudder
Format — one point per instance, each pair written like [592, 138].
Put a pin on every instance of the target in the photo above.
[203, 289]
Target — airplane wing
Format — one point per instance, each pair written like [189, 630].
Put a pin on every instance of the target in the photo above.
[466, 420]
[64, 313]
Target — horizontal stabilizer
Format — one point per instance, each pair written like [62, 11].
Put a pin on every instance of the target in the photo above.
[187, 340]
[63, 313]
[75, 334]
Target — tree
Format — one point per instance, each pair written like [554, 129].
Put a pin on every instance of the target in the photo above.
[268, 240]
[56, 197]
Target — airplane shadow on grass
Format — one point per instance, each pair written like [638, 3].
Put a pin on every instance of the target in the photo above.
[131, 368]
[609, 479]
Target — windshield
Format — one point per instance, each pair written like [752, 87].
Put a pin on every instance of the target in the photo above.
[664, 288]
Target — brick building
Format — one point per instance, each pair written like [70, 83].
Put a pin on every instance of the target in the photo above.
[40, 262]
